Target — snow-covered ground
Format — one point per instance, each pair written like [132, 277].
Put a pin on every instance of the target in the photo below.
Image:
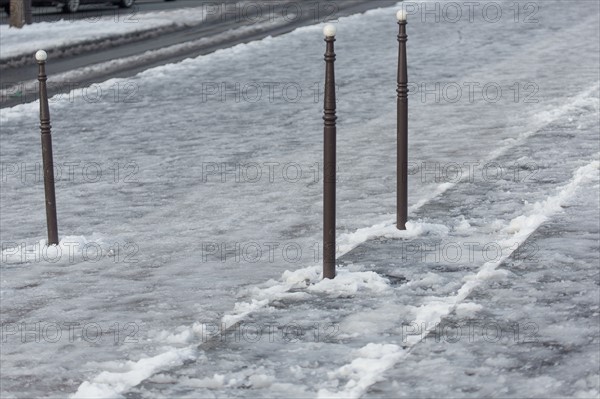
[67, 32]
[182, 214]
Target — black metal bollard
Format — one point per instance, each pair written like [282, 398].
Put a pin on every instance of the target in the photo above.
[402, 166]
[48, 162]
[329, 168]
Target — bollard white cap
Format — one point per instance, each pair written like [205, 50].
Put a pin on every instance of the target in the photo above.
[401, 15]
[41, 55]
[329, 30]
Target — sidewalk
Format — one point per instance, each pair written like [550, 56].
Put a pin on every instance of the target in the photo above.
[540, 291]
[159, 310]
[533, 332]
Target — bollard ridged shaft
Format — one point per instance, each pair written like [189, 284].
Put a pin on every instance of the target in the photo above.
[402, 134]
[47, 158]
[329, 169]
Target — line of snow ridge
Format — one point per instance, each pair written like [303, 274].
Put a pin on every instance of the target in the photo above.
[374, 359]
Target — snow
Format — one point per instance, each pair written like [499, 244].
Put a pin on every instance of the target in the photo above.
[364, 370]
[78, 74]
[241, 310]
[347, 284]
[111, 384]
[526, 224]
[522, 226]
[550, 297]
[388, 229]
[261, 380]
[48, 35]
[372, 360]
[171, 310]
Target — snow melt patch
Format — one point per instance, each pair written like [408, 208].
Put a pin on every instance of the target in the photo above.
[347, 284]
[114, 384]
[367, 369]
[525, 224]
[303, 276]
[182, 335]
[259, 381]
[463, 226]
[349, 241]
[544, 118]
[241, 310]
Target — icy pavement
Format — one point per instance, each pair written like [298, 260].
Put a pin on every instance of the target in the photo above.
[164, 189]
[341, 337]
[531, 331]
